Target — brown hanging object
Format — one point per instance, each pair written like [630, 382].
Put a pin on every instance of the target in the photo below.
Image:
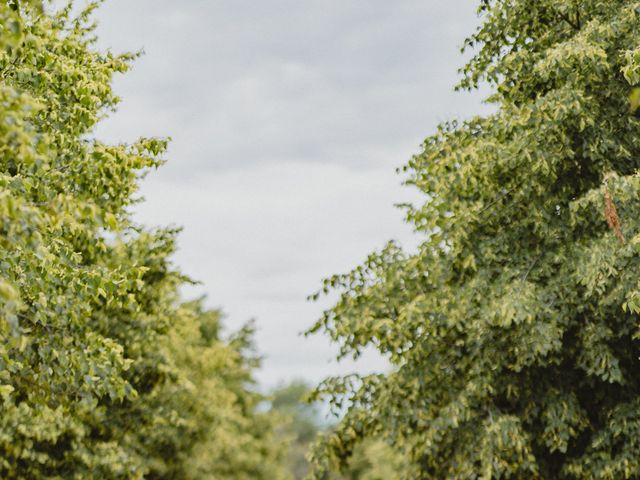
[611, 215]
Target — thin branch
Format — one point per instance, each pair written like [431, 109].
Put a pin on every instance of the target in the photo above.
[9, 67]
[565, 17]
[503, 195]
[524, 277]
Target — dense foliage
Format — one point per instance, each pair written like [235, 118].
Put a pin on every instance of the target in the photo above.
[513, 330]
[104, 373]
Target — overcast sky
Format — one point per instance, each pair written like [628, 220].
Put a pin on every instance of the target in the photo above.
[288, 119]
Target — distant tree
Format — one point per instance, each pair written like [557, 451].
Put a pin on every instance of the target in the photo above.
[513, 330]
[104, 372]
[221, 435]
[300, 423]
[373, 459]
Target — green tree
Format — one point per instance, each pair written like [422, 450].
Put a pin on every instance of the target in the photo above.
[373, 459]
[104, 372]
[513, 330]
[300, 423]
[289, 399]
[221, 435]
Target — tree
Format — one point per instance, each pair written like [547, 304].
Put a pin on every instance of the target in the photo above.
[104, 371]
[373, 459]
[300, 423]
[221, 435]
[513, 330]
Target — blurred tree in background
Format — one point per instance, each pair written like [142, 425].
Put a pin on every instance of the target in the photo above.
[104, 371]
[302, 423]
[373, 459]
[513, 330]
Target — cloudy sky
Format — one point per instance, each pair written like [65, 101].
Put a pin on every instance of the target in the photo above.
[288, 119]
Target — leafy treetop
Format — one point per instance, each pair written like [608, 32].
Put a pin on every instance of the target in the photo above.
[104, 372]
[513, 330]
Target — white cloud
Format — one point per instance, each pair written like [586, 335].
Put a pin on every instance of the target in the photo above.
[262, 238]
[288, 119]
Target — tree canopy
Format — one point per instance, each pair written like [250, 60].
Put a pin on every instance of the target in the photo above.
[513, 329]
[104, 371]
